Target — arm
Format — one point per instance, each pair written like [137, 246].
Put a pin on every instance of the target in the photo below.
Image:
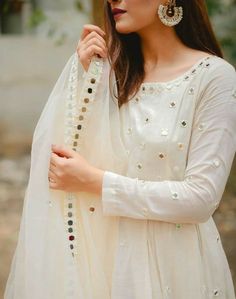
[210, 156]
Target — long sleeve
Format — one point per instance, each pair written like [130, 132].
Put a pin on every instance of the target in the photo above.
[210, 155]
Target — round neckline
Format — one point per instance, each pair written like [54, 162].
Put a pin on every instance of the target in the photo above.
[180, 77]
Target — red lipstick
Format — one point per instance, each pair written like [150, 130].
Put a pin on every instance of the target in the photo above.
[118, 12]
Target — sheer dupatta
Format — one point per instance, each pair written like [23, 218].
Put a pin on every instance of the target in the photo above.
[66, 247]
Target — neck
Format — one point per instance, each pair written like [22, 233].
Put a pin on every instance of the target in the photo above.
[158, 42]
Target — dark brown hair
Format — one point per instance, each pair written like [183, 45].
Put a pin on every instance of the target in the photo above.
[125, 54]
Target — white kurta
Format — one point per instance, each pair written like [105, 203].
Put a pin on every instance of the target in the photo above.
[180, 136]
[150, 234]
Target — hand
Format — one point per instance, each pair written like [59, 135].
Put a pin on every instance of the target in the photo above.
[70, 172]
[91, 43]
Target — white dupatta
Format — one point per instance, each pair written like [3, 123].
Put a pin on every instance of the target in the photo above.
[62, 249]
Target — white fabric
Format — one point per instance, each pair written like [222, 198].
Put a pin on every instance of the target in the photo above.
[156, 258]
[44, 266]
[126, 242]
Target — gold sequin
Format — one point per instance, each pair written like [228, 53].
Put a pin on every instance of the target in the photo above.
[201, 126]
[161, 155]
[151, 89]
[139, 165]
[180, 145]
[129, 131]
[86, 100]
[189, 178]
[175, 195]
[191, 91]
[84, 109]
[81, 117]
[216, 163]
[216, 292]
[92, 209]
[164, 132]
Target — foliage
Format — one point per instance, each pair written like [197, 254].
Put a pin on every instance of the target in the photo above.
[36, 18]
[79, 5]
[223, 16]
[214, 6]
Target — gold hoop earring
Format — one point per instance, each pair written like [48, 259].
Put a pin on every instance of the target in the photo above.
[169, 14]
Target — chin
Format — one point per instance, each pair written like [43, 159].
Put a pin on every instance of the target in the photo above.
[124, 29]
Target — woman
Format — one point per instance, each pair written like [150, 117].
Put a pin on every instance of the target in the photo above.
[149, 140]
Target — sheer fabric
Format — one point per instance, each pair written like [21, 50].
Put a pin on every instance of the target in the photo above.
[150, 235]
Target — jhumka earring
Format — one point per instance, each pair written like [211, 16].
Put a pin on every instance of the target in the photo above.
[169, 14]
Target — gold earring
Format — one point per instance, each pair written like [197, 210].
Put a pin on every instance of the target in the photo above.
[169, 14]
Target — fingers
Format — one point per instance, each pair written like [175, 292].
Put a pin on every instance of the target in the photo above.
[52, 175]
[53, 168]
[63, 151]
[85, 49]
[95, 36]
[54, 159]
[58, 158]
[52, 179]
[87, 54]
[89, 28]
[91, 43]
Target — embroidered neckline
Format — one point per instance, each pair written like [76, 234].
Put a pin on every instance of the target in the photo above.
[150, 87]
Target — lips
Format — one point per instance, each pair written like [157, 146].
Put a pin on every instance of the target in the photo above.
[116, 11]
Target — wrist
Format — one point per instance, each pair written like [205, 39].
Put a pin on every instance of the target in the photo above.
[95, 185]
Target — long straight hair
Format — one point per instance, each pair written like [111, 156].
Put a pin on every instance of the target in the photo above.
[125, 53]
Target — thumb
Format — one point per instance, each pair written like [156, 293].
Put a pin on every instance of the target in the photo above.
[62, 151]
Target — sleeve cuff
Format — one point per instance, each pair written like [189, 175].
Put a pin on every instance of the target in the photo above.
[110, 202]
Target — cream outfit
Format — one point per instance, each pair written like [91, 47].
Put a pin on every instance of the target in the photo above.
[180, 138]
[167, 155]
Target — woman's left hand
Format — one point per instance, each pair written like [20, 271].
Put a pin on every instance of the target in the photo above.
[70, 172]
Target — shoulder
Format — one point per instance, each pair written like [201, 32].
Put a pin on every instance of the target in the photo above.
[217, 82]
[220, 69]
[218, 75]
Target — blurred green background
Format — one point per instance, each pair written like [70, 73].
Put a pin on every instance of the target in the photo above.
[36, 39]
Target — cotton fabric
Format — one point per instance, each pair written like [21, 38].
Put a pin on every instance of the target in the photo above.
[180, 137]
